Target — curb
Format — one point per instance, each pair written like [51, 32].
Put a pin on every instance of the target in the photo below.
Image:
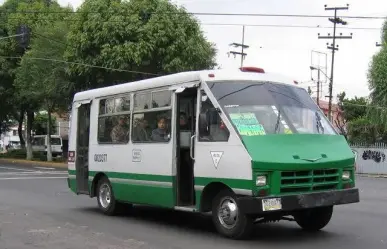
[34, 163]
[372, 175]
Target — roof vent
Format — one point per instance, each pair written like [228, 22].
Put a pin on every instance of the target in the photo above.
[252, 69]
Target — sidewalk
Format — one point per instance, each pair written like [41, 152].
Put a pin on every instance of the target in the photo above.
[371, 175]
[33, 163]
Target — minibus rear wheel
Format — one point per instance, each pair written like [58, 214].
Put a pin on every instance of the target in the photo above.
[228, 219]
[105, 196]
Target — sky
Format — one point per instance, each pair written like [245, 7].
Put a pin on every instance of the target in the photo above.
[288, 51]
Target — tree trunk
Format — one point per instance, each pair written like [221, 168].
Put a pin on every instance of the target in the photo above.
[20, 127]
[30, 120]
[49, 151]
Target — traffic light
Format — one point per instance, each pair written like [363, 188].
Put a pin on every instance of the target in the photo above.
[25, 34]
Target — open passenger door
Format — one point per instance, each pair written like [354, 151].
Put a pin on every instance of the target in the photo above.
[82, 147]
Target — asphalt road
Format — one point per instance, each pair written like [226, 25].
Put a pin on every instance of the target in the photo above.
[38, 211]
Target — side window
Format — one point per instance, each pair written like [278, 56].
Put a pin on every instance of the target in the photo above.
[152, 123]
[212, 127]
[114, 120]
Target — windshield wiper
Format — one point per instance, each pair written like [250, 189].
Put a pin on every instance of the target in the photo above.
[318, 123]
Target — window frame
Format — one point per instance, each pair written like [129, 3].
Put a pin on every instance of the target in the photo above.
[151, 109]
[199, 111]
[113, 114]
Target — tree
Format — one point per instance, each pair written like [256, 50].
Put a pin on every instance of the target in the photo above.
[377, 82]
[40, 124]
[137, 36]
[355, 124]
[17, 14]
[45, 80]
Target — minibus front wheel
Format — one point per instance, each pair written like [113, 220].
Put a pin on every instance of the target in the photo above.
[228, 219]
[314, 219]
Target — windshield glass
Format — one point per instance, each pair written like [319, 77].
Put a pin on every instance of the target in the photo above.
[259, 108]
[55, 141]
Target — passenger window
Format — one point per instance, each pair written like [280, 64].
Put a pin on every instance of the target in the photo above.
[114, 120]
[142, 101]
[114, 129]
[212, 127]
[151, 127]
[161, 99]
[122, 104]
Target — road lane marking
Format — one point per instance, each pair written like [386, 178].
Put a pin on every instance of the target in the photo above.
[9, 168]
[44, 168]
[31, 178]
[35, 173]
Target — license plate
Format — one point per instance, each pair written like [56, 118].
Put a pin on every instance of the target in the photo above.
[271, 204]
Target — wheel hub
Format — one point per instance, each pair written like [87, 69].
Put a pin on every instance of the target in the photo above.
[228, 213]
[105, 195]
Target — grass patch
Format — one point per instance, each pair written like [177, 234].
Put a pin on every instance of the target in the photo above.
[36, 156]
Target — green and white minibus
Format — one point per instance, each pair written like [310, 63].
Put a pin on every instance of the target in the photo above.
[245, 145]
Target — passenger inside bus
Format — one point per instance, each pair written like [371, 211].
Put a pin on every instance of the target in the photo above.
[120, 133]
[141, 131]
[161, 133]
[184, 125]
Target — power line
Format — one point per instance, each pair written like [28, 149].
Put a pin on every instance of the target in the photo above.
[287, 26]
[215, 24]
[198, 14]
[77, 63]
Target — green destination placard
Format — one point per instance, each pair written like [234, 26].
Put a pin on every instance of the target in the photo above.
[247, 124]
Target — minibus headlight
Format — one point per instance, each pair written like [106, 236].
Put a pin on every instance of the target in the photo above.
[346, 175]
[260, 181]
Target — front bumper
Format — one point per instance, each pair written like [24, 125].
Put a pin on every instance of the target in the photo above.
[254, 205]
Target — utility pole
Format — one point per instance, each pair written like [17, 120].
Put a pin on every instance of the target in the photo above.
[242, 45]
[335, 20]
[318, 82]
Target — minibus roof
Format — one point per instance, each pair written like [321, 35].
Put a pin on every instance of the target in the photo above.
[191, 76]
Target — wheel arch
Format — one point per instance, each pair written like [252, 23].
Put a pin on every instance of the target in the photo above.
[209, 193]
[94, 183]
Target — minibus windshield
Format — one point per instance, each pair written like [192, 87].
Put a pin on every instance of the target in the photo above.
[259, 108]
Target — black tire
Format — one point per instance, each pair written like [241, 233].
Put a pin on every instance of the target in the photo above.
[243, 225]
[315, 219]
[113, 207]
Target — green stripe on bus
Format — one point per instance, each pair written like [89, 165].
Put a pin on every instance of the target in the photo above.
[199, 181]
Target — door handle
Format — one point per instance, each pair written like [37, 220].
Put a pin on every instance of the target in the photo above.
[191, 147]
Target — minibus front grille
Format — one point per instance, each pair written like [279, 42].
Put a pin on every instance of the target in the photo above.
[309, 180]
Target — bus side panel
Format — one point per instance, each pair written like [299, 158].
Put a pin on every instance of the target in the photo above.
[233, 170]
[139, 173]
[72, 147]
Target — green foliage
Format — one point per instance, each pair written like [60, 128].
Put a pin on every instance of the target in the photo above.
[352, 108]
[134, 35]
[21, 154]
[377, 82]
[17, 12]
[45, 81]
[355, 124]
[40, 124]
[362, 130]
